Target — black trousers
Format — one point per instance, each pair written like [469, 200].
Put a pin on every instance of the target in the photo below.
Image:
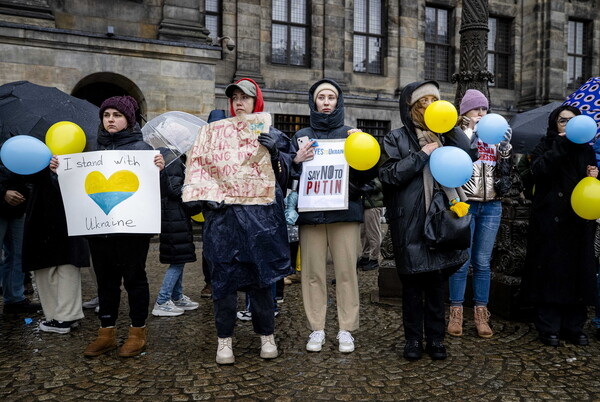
[560, 319]
[423, 305]
[121, 259]
[263, 313]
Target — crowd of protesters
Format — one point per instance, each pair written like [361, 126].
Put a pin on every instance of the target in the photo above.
[246, 247]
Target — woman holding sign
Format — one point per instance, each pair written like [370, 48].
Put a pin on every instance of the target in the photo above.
[560, 267]
[337, 229]
[246, 245]
[120, 258]
[408, 186]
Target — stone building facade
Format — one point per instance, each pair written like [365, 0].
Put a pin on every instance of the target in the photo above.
[166, 54]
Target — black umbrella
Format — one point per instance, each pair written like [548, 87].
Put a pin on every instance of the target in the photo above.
[528, 127]
[31, 109]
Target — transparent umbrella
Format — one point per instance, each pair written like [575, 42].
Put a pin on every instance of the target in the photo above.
[173, 133]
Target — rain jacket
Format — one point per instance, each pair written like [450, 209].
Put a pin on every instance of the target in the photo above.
[402, 178]
[176, 237]
[328, 127]
[560, 267]
[247, 245]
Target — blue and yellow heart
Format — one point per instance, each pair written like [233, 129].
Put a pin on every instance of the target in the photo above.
[109, 193]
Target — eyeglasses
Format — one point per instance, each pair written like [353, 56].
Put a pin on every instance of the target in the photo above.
[563, 120]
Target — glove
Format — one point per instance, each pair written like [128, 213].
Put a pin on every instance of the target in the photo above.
[213, 205]
[504, 145]
[269, 141]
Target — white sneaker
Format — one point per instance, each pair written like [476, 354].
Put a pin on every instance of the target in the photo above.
[268, 348]
[315, 341]
[92, 303]
[346, 341]
[167, 309]
[185, 303]
[244, 315]
[225, 351]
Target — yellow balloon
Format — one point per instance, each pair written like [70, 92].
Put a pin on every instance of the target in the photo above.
[585, 198]
[441, 116]
[361, 151]
[198, 218]
[64, 138]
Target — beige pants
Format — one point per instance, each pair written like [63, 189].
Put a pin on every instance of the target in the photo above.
[370, 234]
[341, 238]
[59, 289]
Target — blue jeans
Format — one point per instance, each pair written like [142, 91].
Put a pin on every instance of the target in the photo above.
[485, 222]
[171, 288]
[11, 231]
[596, 319]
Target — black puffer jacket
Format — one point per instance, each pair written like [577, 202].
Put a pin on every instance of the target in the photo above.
[402, 178]
[328, 127]
[176, 238]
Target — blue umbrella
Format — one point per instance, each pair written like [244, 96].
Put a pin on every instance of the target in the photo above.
[587, 99]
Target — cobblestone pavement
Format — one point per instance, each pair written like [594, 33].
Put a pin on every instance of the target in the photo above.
[179, 364]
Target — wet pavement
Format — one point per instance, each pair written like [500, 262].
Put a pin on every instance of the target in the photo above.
[179, 364]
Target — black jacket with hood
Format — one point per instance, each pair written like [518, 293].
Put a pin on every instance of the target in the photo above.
[560, 267]
[328, 127]
[402, 178]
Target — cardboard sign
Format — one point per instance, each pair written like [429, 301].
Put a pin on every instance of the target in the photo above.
[110, 192]
[227, 163]
[324, 180]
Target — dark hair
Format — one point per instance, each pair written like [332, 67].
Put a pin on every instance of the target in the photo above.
[553, 118]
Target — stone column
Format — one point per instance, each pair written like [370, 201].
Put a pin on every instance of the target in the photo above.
[182, 22]
[473, 72]
[334, 43]
[248, 41]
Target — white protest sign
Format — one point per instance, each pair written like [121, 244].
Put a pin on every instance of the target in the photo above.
[227, 163]
[110, 192]
[324, 180]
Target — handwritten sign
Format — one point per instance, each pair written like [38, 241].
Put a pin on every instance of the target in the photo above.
[324, 180]
[227, 163]
[110, 192]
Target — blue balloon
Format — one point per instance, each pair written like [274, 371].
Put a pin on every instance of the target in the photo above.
[450, 166]
[491, 128]
[581, 129]
[24, 154]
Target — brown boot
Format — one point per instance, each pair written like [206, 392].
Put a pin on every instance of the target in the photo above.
[482, 317]
[135, 343]
[456, 321]
[106, 341]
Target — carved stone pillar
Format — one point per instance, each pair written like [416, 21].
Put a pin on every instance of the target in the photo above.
[248, 41]
[182, 22]
[473, 72]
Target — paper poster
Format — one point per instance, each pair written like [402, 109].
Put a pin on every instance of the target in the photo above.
[227, 163]
[324, 180]
[110, 192]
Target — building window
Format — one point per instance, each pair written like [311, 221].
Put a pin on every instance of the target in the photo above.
[377, 128]
[212, 18]
[368, 37]
[290, 33]
[500, 54]
[290, 123]
[438, 52]
[578, 56]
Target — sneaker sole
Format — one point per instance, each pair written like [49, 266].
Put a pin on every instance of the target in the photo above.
[314, 348]
[187, 308]
[346, 350]
[225, 360]
[165, 313]
[269, 355]
[62, 331]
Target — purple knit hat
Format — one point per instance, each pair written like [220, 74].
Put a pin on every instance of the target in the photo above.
[473, 99]
[124, 104]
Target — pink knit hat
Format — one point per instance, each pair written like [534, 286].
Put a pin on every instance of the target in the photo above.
[473, 99]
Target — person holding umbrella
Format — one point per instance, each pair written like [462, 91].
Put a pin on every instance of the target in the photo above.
[120, 257]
